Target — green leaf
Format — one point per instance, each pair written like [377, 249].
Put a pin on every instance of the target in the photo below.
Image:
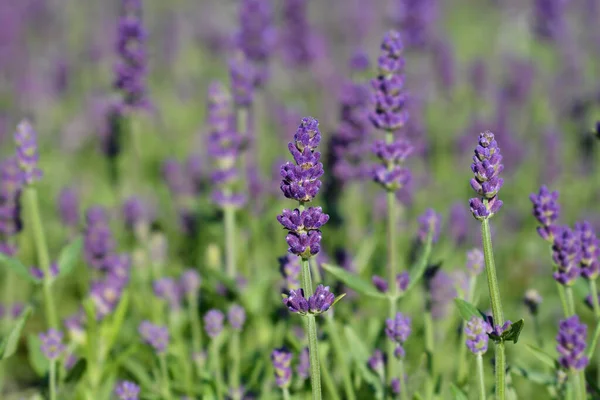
[116, 321]
[360, 354]
[542, 355]
[75, 373]
[467, 310]
[338, 298]
[17, 267]
[457, 392]
[37, 359]
[418, 269]
[354, 282]
[9, 344]
[514, 331]
[140, 373]
[538, 377]
[69, 256]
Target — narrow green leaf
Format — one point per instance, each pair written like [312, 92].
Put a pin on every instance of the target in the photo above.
[75, 373]
[514, 331]
[542, 355]
[37, 359]
[538, 377]
[418, 269]
[467, 310]
[69, 256]
[140, 373]
[353, 281]
[457, 392]
[9, 344]
[17, 267]
[338, 298]
[360, 354]
[116, 321]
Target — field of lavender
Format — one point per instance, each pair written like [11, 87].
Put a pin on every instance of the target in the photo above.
[294, 199]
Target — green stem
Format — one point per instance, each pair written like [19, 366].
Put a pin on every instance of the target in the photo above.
[306, 278]
[328, 382]
[403, 388]
[580, 391]
[53, 380]
[498, 316]
[570, 301]
[391, 346]
[340, 353]
[563, 299]
[164, 376]
[595, 302]
[480, 376]
[286, 394]
[216, 367]
[392, 270]
[32, 208]
[234, 354]
[195, 326]
[430, 349]
[230, 259]
[315, 370]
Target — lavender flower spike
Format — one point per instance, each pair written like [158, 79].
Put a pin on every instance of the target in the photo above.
[52, 344]
[430, 223]
[154, 335]
[546, 210]
[282, 364]
[590, 250]
[126, 390]
[571, 345]
[477, 331]
[236, 317]
[303, 367]
[213, 323]
[566, 254]
[27, 152]
[486, 167]
[398, 330]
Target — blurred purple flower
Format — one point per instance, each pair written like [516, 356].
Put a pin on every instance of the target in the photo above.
[68, 206]
[571, 343]
[27, 152]
[213, 323]
[52, 344]
[126, 390]
[282, 365]
[155, 335]
[476, 330]
[546, 210]
[566, 254]
[429, 224]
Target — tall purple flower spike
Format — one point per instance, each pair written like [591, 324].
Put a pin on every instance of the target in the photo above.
[546, 210]
[398, 329]
[27, 152]
[566, 254]
[590, 250]
[10, 204]
[571, 343]
[486, 167]
[155, 335]
[282, 364]
[429, 224]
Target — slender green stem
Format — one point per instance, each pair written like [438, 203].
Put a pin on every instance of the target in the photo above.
[315, 369]
[430, 348]
[391, 346]
[195, 327]
[403, 388]
[480, 376]
[216, 367]
[595, 302]
[463, 361]
[39, 238]
[230, 256]
[306, 278]
[53, 380]
[328, 382]
[234, 354]
[166, 388]
[570, 301]
[563, 299]
[498, 316]
[578, 388]
[340, 353]
[286, 394]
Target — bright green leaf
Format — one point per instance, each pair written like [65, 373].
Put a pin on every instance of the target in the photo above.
[338, 298]
[538, 377]
[116, 321]
[514, 331]
[457, 392]
[467, 310]
[17, 267]
[360, 354]
[37, 359]
[69, 256]
[542, 355]
[9, 344]
[353, 281]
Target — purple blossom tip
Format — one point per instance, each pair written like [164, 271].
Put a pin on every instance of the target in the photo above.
[476, 331]
[546, 210]
[571, 343]
[213, 323]
[380, 284]
[236, 317]
[398, 329]
[190, 282]
[590, 250]
[566, 254]
[377, 362]
[27, 152]
[52, 344]
[282, 365]
[475, 262]
[402, 281]
[126, 390]
[486, 166]
[155, 335]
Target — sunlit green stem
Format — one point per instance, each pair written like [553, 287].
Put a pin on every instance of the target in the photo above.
[216, 366]
[195, 326]
[234, 354]
[495, 300]
[480, 376]
[166, 388]
[403, 388]
[230, 251]
[430, 348]
[53, 380]
[570, 301]
[286, 394]
[41, 247]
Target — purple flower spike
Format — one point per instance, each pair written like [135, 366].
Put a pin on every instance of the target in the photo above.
[126, 390]
[395, 386]
[10, 204]
[571, 338]
[236, 317]
[546, 210]
[136, 212]
[303, 367]
[282, 364]
[168, 289]
[475, 262]
[154, 335]
[296, 35]
[290, 268]
[213, 323]
[402, 281]
[68, 207]
[566, 253]
[477, 331]
[377, 362]
[486, 167]
[321, 300]
[532, 300]
[590, 250]
[380, 283]
[98, 239]
[52, 344]
[242, 77]
[399, 328]
[190, 282]
[27, 152]
[429, 224]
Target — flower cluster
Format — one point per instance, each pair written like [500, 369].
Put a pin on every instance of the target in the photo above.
[402, 282]
[126, 390]
[304, 234]
[27, 152]
[236, 316]
[131, 69]
[10, 205]
[566, 253]
[52, 344]
[316, 304]
[590, 250]
[213, 323]
[242, 77]
[546, 210]
[486, 167]
[398, 330]
[98, 238]
[136, 213]
[296, 35]
[391, 173]
[224, 146]
[282, 364]
[476, 331]
[155, 335]
[571, 342]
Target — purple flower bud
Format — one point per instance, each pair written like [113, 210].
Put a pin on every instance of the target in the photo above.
[126, 390]
[68, 207]
[168, 289]
[546, 210]
[213, 323]
[429, 224]
[477, 331]
[37, 273]
[98, 239]
[571, 338]
[398, 329]
[532, 300]
[17, 309]
[136, 212]
[190, 282]
[105, 294]
[236, 317]
[590, 250]
[296, 302]
[27, 152]
[380, 283]
[377, 362]
[475, 262]
[52, 344]
[321, 300]
[486, 167]
[154, 335]
[304, 245]
[359, 62]
[303, 367]
[312, 218]
[402, 281]
[282, 365]
[497, 330]
[395, 386]
[566, 254]
[290, 268]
